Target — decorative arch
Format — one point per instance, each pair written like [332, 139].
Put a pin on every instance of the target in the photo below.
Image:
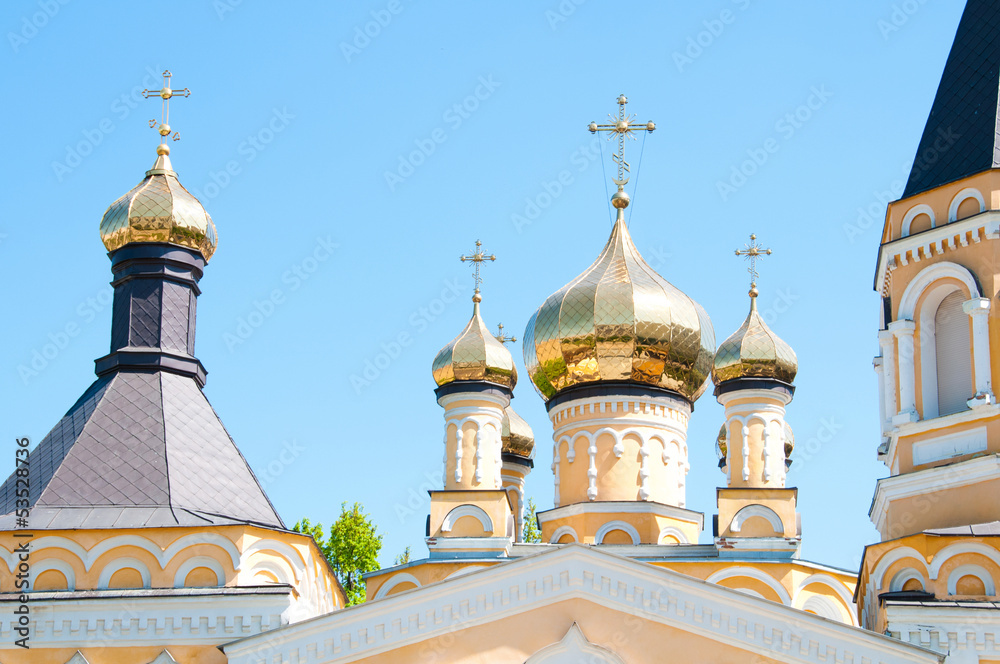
[952, 550]
[574, 648]
[895, 555]
[823, 607]
[843, 614]
[53, 564]
[672, 531]
[926, 277]
[915, 212]
[752, 573]
[762, 511]
[199, 561]
[123, 563]
[282, 574]
[961, 197]
[900, 578]
[395, 580]
[474, 511]
[291, 556]
[627, 528]
[563, 530]
[971, 570]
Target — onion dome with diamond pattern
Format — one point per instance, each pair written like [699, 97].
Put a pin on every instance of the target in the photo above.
[617, 322]
[516, 435]
[475, 355]
[159, 210]
[754, 351]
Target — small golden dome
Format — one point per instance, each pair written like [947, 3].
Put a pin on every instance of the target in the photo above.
[754, 351]
[159, 209]
[619, 321]
[722, 447]
[516, 435]
[475, 354]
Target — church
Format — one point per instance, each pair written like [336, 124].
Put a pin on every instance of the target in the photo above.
[135, 532]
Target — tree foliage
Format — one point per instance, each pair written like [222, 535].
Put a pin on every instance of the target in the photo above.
[531, 534]
[351, 548]
[402, 558]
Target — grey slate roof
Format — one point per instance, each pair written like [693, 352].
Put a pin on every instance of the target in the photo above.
[964, 116]
[139, 449]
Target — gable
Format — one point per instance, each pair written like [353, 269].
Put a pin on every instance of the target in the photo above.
[513, 610]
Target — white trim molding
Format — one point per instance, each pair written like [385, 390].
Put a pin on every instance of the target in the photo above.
[119, 564]
[395, 580]
[961, 197]
[913, 213]
[563, 530]
[612, 526]
[738, 571]
[574, 647]
[474, 511]
[199, 561]
[971, 570]
[53, 564]
[766, 513]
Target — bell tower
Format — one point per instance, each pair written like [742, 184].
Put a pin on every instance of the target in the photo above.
[937, 274]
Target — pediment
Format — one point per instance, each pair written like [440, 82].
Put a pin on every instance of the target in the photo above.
[633, 609]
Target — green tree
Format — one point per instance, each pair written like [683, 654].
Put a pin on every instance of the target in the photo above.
[402, 558]
[531, 533]
[351, 548]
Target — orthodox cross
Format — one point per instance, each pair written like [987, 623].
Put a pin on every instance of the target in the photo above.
[166, 94]
[752, 252]
[503, 338]
[622, 126]
[477, 258]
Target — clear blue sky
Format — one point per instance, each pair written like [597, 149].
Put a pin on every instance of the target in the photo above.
[295, 121]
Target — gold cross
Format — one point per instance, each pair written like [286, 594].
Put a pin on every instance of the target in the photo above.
[753, 251]
[478, 257]
[622, 126]
[166, 94]
[503, 338]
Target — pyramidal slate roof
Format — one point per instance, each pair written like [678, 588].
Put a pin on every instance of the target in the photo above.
[962, 135]
[140, 449]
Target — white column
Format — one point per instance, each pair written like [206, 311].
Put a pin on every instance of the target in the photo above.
[978, 309]
[887, 341]
[903, 330]
[880, 375]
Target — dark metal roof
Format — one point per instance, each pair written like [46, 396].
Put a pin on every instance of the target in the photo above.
[140, 449]
[962, 135]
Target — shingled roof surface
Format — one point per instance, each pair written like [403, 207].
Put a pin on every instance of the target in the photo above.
[962, 135]
[139, 449]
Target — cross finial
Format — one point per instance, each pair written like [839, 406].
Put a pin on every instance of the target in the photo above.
[621, 127]
[752, 251]
[503, 338]
[477, 258]
[166, 94]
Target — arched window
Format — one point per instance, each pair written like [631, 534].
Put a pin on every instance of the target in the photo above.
[954, 354]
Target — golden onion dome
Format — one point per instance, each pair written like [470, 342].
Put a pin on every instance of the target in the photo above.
[722, 447]
[754, 351]
[516, 435]
[619, 321]
[159, 209]
[475, 354]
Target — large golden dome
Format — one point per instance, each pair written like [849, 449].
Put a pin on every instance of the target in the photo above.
[754, 351]
[475, 354]
[619, 321]
[516, 434]
[159, 209]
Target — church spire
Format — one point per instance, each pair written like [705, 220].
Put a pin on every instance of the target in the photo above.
[962, 135]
